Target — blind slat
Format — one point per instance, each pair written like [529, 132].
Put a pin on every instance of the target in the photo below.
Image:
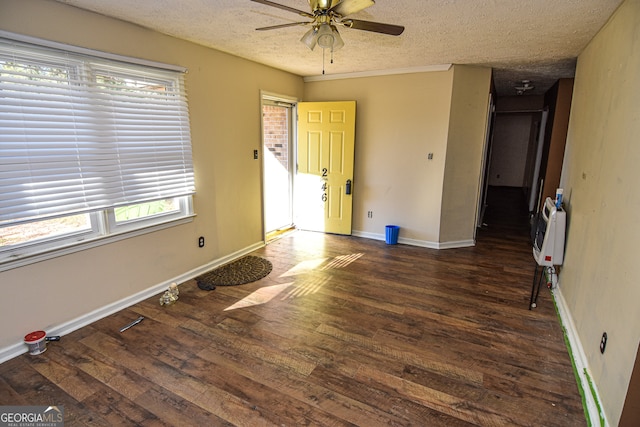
[77, 135]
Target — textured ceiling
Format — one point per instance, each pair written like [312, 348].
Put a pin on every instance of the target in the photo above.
[537, 40]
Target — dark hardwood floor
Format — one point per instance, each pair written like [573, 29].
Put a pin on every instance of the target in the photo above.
[344, 331]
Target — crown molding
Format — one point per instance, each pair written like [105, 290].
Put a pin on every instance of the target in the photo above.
[375, 73]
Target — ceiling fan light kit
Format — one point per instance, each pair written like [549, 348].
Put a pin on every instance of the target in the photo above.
[325, 15]
[337, 40]
[310, 38]
[327, 37]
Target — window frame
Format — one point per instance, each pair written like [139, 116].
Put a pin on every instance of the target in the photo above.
[185, 206]
[25, 254]
[104, 229]
[52, 243]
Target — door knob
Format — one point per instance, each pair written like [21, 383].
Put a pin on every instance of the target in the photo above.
[348, 187]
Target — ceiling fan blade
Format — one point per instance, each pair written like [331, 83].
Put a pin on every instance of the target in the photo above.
[290, 24]
[287, 8]
[376, 27]
[347, 7]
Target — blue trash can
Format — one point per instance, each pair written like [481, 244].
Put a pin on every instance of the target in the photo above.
[391, 234]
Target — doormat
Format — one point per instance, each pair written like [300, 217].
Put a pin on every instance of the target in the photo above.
[245, 270]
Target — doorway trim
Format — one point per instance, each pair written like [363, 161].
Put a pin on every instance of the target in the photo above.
[485, 165]
[270, 98]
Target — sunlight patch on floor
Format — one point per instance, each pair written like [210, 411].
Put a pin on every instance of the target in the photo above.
[304, 267]
[308, 287]
[342, 261]
[260, 296]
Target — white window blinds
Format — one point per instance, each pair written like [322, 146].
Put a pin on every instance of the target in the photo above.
[79, 133]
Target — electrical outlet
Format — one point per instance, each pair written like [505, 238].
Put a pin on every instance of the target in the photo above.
[370, 214]
[603, 342]
[201, 242]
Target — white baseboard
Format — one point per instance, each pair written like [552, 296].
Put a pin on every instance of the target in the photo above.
[580, 361]
[415, 242]
[19, 348]
[457, 244]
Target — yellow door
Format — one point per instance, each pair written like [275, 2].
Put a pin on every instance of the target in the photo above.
[324, 180]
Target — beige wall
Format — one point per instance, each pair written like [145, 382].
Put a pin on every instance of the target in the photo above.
[465, 144]
[400, 120]
[224, 101]
[600, 279]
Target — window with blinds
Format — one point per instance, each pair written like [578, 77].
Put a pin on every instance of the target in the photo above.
[89, 147]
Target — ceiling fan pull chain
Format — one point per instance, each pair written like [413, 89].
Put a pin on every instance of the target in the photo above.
[322, 61]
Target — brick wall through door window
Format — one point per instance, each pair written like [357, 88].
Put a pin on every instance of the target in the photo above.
[276, 132]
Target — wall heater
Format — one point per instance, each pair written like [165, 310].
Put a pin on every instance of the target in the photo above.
[548, 237]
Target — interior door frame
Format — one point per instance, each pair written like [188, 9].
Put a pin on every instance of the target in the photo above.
[485, 164]
[536, 185]
[267, 98]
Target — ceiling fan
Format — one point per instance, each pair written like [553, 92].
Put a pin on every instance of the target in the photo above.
[325, 15]
[526, 85]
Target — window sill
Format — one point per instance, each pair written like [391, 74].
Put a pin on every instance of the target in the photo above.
[88, 244]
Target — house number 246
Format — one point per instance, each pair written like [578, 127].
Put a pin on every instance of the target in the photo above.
[324, 184]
